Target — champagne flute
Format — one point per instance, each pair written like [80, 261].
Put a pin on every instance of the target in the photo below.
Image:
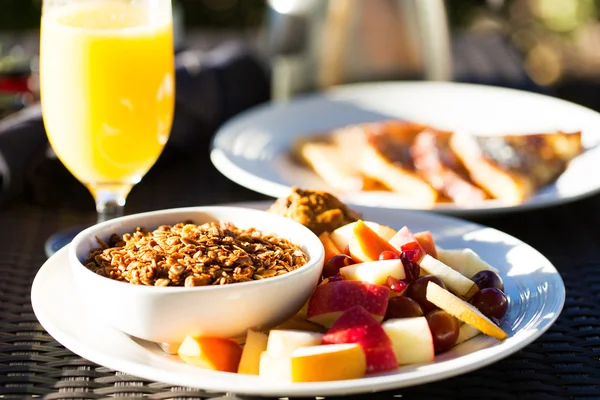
[107, 91]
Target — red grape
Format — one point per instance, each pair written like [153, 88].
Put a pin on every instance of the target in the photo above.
[396, 284]
[402, 307]
[491, 302]
[388, 255]
[444, 329]
[488, 279]
[411, 268]
[333, 265]
[417, 291]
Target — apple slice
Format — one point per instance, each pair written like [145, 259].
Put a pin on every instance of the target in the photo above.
[278, 369]
[357, 325]
[366, 245]
[426, 241]
[211, 353]
[411, 339]
[465, 261]
[455, 281]
[256, 343]
[465, 333]
[374, 272]
[330, 362]
[404, 240]
[463, 311]
[329, 301]
[283, 342]
[331, 250]
[341, 236]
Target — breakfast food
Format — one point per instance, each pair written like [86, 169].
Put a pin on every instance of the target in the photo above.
[432, 166]
[318, 211]
[386, 299]
[189, 255]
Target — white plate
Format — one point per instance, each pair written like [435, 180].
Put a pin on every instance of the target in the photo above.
[253, 149]
[534, 287]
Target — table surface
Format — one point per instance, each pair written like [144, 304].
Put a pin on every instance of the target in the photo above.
[563, 363]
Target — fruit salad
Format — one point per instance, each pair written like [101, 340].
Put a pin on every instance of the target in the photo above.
[387, 298]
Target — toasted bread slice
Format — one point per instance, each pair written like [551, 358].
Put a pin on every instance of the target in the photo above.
[513, 167]
[440, 167]
[386, 156]
[331, 164]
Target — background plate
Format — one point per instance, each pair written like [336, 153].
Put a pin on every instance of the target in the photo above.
[534, 287]
[253, 149]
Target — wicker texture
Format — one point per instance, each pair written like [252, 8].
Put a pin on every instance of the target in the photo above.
[563, 363]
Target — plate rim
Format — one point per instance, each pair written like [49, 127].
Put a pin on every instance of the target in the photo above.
[237, 174]
[370, 384]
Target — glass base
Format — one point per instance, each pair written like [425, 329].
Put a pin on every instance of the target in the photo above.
[60, 239]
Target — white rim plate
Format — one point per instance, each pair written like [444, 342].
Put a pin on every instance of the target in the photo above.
[534, 287]
[253, 149]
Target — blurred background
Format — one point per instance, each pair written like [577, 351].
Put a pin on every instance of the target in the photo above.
[550, 46]
[233, 54]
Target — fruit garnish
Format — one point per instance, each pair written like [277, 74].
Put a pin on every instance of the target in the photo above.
[491, 302]
[444, 329]
[418, 291]
[335, 278]
[411, 268]
[388, 255]
[395, 284]
[402, 307]
[333, 265]
[488, 279]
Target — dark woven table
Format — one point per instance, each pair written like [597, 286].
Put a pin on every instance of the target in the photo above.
[563, 363]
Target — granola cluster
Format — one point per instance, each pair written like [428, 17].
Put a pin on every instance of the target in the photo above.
[185, 254]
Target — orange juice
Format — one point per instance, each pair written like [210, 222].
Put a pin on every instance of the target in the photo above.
[107, 87]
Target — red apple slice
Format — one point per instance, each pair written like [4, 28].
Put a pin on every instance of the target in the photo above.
[426, 241]
[404, 240]
[329, 301]
[357, 325]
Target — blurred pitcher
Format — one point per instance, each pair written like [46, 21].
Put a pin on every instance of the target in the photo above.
[315, 44]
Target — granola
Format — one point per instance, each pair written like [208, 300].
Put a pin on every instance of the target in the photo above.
[185, 254]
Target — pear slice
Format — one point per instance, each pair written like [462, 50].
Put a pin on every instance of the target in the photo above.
[465, 333]
[465, 261]
[455, 281]
[463, 311]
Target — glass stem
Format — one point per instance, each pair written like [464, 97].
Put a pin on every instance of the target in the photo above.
[110, 200]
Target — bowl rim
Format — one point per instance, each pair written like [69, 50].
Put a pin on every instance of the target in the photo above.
[310, 243]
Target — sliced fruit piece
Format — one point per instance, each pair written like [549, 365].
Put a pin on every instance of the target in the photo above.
[357, 325]
[374, 272]
[465, 261]
[466, 332]
[277, 369]
[341, 236]
[454, 281]
[366, 245]
[404, 240]
[462, 310]
[211, 353]
[330, 362]
[411, 340]
[425, 239]
[283, 342]
[256, 343]
[331, 250]
[329, 301]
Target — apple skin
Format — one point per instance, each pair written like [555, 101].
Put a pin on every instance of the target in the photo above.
[329, 301]
[426, 241]
[366, 245]
[404, 240]
[357, 325]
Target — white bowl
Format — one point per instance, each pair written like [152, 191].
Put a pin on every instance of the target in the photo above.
[168, 314]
